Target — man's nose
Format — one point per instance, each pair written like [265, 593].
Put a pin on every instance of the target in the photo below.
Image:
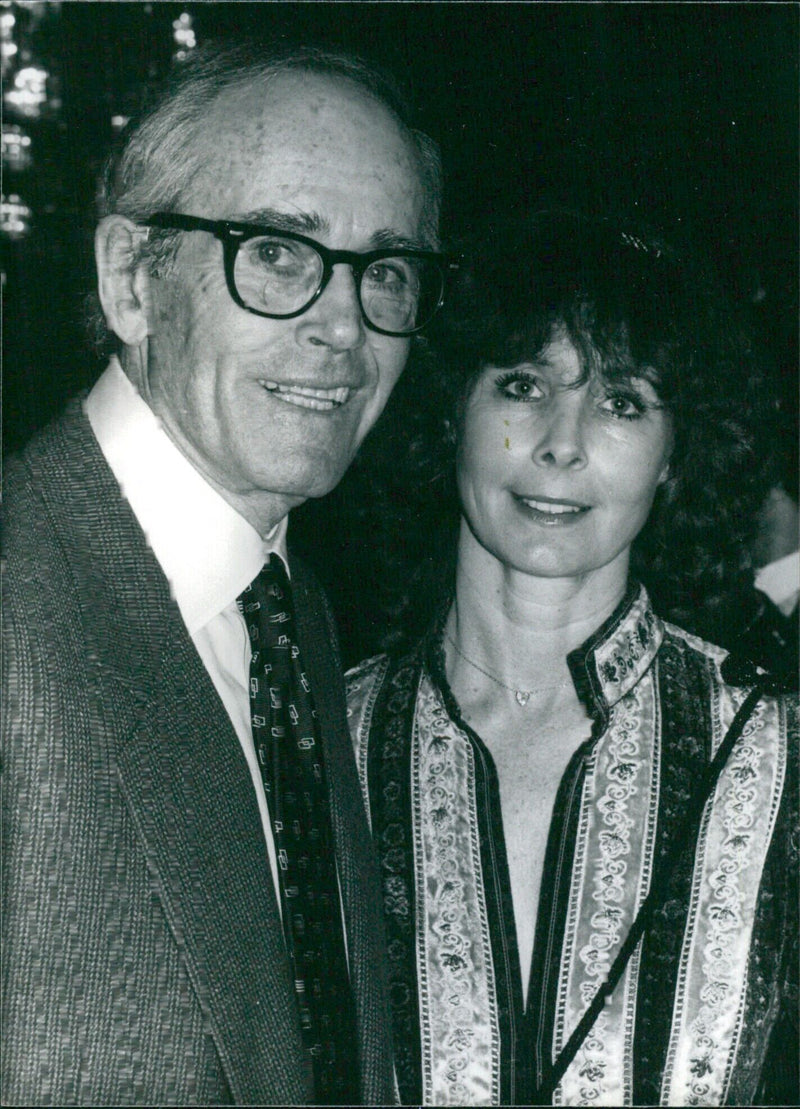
[561, 436]
[334, 320]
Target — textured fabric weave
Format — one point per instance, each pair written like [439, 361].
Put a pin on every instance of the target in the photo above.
[143, 955]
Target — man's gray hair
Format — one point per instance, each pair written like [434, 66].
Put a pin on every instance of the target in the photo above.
[158, 157]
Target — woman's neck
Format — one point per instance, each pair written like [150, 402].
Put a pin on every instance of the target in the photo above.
[520, 626]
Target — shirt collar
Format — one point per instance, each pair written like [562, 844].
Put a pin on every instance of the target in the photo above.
[208, 551]
[780, 580]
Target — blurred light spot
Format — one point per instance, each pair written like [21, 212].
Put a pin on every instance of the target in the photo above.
[29, 91]
[16, 148]
[183, 34]
[118, 122]
[15, 217]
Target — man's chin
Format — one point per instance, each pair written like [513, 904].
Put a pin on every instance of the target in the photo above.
[306, 483]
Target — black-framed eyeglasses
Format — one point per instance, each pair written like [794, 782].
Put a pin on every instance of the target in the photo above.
[279, 274]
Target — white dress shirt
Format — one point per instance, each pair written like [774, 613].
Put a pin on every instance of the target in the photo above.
[780, 580]
[207, 550]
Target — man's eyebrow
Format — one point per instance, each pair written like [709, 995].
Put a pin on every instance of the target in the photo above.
[312, 223]
[303, 223]
[387, 238]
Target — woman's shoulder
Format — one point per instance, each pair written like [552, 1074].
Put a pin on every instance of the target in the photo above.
[387, 677]
[729, 667]
[366, 674]
[372, 672]
[695, 644]
[728, 678]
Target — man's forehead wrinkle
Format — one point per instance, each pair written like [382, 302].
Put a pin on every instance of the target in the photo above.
[274, 149]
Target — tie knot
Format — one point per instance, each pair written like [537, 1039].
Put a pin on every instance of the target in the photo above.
[273, 577]
[269, 593]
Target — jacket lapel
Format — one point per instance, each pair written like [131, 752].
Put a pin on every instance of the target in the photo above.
[187, 785]
[189, 790]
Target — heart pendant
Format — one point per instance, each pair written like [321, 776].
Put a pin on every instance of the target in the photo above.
[522, 696]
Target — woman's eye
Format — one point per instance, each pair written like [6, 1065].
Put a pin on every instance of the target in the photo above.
[519, 386]
[625, 407]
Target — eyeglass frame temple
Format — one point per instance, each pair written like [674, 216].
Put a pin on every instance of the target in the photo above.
[232, 234]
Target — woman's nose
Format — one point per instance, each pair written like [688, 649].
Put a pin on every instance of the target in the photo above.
[561, 434]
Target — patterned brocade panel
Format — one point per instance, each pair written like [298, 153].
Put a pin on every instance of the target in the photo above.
[731, 851]
[612, 867]
[720, 945]
[385, 706]
[460, 1032]
[686, 729]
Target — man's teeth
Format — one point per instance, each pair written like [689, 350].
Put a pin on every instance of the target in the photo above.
[552, 509]
[323, 400]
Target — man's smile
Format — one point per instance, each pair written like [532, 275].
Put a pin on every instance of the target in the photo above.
[304, 396]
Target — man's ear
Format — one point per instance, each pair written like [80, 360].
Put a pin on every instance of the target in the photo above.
[122, 283]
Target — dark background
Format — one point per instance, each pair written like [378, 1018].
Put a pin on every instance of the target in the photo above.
[684, 113]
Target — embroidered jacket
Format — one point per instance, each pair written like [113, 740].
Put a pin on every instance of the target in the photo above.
[705, 1012]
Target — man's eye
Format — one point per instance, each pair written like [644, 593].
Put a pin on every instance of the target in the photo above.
[274, 252]
[390, 271]
[519, 386]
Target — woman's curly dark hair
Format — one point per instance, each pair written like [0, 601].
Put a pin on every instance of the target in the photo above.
[632, 306]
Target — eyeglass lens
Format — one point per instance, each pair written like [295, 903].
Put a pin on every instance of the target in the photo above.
[281, 276]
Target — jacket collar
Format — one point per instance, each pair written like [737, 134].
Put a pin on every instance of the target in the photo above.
[208, 551]
[604, 668]
[612, 661]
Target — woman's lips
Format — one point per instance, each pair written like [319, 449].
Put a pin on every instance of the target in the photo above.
[553, 511]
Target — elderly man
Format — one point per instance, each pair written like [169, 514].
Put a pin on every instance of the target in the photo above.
[190, 912]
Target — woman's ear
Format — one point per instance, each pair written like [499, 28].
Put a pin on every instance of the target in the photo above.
[122, 278]
[666, 471]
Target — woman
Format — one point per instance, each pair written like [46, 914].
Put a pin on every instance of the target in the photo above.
[529, 761]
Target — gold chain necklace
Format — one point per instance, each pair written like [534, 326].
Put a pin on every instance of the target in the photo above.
[522, 696]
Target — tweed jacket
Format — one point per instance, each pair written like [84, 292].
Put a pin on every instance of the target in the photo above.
[143, 954]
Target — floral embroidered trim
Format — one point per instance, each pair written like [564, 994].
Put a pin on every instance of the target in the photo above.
[732, 847]
[388, 775]
[613, 866]
[626, 655]
[458, 1004]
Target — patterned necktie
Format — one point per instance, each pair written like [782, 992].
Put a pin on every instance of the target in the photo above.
[287, 741]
